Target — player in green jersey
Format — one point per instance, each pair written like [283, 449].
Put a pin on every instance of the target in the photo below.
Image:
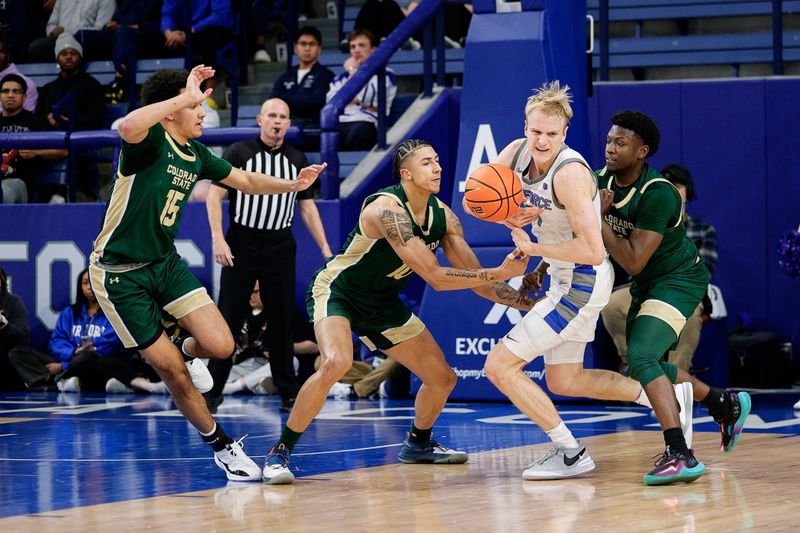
[135, 270]
[643, 231]
[358, 291]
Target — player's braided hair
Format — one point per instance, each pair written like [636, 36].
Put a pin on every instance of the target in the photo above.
[163, 85]
[641, 125]
[403, 150]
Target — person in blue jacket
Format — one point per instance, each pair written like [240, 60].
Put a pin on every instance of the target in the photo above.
[85, 351]
[209, 23]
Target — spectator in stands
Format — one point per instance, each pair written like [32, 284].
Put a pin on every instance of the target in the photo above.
[209, 23]
[70, 16]
[19, 167]
[251, 370]
[381, 17]
[358, 123]
[134, 31]
[14, 331]
[304, 87]
[90, 113]
[457, 18]
[85, 351]
[16, 19]
[7, 67]
[89, 107]
[704, 236]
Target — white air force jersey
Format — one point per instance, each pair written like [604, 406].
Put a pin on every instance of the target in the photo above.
[552, 226]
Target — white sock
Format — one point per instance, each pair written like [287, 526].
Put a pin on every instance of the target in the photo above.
[210, 432]
[562, 436]
[233, 387]
[642, 399]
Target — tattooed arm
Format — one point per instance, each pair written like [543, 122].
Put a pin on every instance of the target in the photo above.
[461, 255]
[383, 218]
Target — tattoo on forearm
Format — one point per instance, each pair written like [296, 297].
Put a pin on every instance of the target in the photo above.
[469, 273]
[507, 293]
[397, 226]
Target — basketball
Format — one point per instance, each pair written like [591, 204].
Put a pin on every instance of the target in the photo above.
[493, 192]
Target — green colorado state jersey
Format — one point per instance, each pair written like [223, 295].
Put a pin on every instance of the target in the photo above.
[154, 180]
[368, 269]
[652, 203]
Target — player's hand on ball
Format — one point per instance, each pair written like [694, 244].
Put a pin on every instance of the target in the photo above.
[308, 176]
[524, 216]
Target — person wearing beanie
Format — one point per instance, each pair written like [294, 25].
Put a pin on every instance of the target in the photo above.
[90, 109]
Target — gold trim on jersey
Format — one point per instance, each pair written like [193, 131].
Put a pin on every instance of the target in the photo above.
[97, 278]
[428, 217]
[646, 185]
[624, 201]
[117, 206]
[191, 158]
[664, 312]
[321, 291]
[191, 301]
[409, 330]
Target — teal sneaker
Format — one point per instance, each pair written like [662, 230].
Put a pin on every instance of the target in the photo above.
[673, 467]
[732, 426]
[431, 453]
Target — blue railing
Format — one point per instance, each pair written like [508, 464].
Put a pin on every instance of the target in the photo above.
[92, 139]
[376, 64]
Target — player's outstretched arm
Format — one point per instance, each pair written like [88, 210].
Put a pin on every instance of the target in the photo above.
[461, 255]
[254, 183]
[384, 218]
[134, 127]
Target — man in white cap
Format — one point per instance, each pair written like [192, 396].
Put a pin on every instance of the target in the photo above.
[89, 104]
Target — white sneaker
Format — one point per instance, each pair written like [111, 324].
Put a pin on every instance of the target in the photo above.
[115, 386]
[411, 44]
[382, 392]
[684, 392]
[450, 43]
[340, 391]
[797, 405]
[236, 464]
[200, 375]
[262, 56]
[72, 384]
[559, 463]
[159, 388]
[276, 467]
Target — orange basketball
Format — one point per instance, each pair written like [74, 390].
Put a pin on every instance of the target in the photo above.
[493, 192]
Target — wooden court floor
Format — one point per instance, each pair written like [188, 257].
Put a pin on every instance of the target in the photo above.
[752, 489]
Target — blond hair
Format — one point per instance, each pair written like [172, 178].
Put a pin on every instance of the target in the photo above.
[551, 99]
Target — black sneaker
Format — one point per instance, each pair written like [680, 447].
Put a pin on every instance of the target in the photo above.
[116, 93]
[286, 405]
[731, 426]
[213, 402]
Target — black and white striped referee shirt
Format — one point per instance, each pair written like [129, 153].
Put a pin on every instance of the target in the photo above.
[265, 211]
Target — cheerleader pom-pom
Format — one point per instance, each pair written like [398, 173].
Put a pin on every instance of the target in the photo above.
[789, 253]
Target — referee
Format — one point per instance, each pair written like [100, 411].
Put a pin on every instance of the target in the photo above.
[259, 246]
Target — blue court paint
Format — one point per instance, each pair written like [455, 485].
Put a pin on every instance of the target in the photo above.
[91, 449]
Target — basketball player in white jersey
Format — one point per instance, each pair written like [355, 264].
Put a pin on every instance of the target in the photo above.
[563, 205]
